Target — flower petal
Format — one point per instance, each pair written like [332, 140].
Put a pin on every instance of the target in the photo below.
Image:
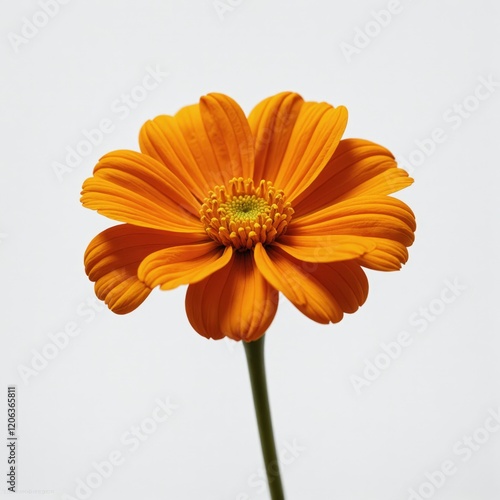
[325, 248]
[272, 122]
[164, 139]
[357, 168]
[181, 265]
[229, 134]
[204, 144]
[323, 292]
[383, 221]
[132, 187]
[370, 216]
[295, 140]
[388, 255]
[315, 137]
[113, 257]
[235, 302]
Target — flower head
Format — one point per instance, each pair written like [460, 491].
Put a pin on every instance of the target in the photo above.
[240, 209]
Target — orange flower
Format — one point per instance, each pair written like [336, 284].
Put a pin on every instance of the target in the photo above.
[239, 209]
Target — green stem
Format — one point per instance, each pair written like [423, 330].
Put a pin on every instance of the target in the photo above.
[256, 367]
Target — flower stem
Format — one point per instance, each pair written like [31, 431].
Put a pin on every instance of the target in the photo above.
[256, 367]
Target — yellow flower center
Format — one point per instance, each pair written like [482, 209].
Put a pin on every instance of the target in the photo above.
[242, 215]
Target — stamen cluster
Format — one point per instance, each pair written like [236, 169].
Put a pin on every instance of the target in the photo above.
[242, 215]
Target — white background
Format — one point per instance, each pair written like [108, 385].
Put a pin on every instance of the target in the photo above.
[374, 443]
